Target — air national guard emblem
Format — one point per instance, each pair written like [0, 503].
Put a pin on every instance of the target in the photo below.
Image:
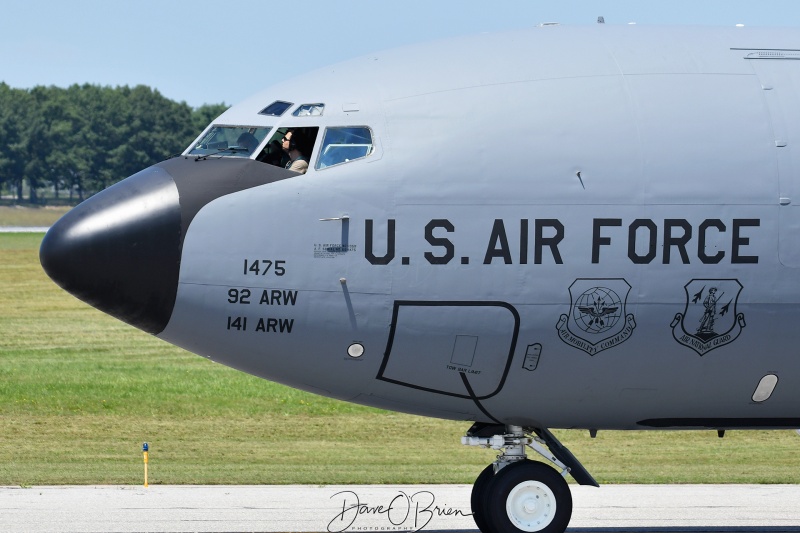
[710, 319]
[597, 319]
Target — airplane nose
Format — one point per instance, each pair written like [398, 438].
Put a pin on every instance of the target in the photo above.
[119, 251]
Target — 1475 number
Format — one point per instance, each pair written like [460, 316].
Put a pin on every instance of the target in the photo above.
[260, 267]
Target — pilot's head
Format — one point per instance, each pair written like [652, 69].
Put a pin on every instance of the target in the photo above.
[712, 290]
[289, 143]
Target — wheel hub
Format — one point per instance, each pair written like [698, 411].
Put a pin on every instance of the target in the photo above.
[531, 506]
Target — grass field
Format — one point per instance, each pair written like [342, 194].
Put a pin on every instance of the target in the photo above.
[30, 216]
[80, 392]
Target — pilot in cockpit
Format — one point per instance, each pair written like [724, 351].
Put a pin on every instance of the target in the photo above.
[292, 144]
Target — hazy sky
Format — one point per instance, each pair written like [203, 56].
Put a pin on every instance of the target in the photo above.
[201, 51]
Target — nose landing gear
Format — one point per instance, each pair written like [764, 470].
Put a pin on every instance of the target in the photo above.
[514, 494]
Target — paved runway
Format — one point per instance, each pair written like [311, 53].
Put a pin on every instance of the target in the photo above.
[355, 508]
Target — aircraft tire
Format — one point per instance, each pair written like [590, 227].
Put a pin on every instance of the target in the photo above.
[528, 497]
[478, 498]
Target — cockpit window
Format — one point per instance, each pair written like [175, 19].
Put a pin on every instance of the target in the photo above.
[237, 141]
[342, 145]
[309, 110]
[283, 152]
[276, 108]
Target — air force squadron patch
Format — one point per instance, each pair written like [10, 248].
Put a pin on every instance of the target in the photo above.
[710, 319]
[597, 319]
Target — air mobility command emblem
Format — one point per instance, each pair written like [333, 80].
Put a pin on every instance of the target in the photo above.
[597, 319]
[710, 319]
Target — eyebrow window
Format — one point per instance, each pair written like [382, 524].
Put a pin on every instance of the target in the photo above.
[276, 109]
[345, 144]
[309, 110]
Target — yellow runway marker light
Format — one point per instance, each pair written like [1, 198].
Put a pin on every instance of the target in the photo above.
[145, 449]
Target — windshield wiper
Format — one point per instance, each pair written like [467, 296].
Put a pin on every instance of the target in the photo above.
[235, 148]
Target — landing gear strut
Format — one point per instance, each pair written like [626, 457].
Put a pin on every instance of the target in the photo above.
[514, 494]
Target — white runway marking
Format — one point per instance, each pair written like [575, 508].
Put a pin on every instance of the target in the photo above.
[611, 508]
[26, 229]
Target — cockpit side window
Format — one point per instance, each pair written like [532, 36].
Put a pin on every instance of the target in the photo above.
[344, 144]
[303, 140]
[236, 141]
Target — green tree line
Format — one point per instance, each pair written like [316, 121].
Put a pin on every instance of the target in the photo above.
[73, 142]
